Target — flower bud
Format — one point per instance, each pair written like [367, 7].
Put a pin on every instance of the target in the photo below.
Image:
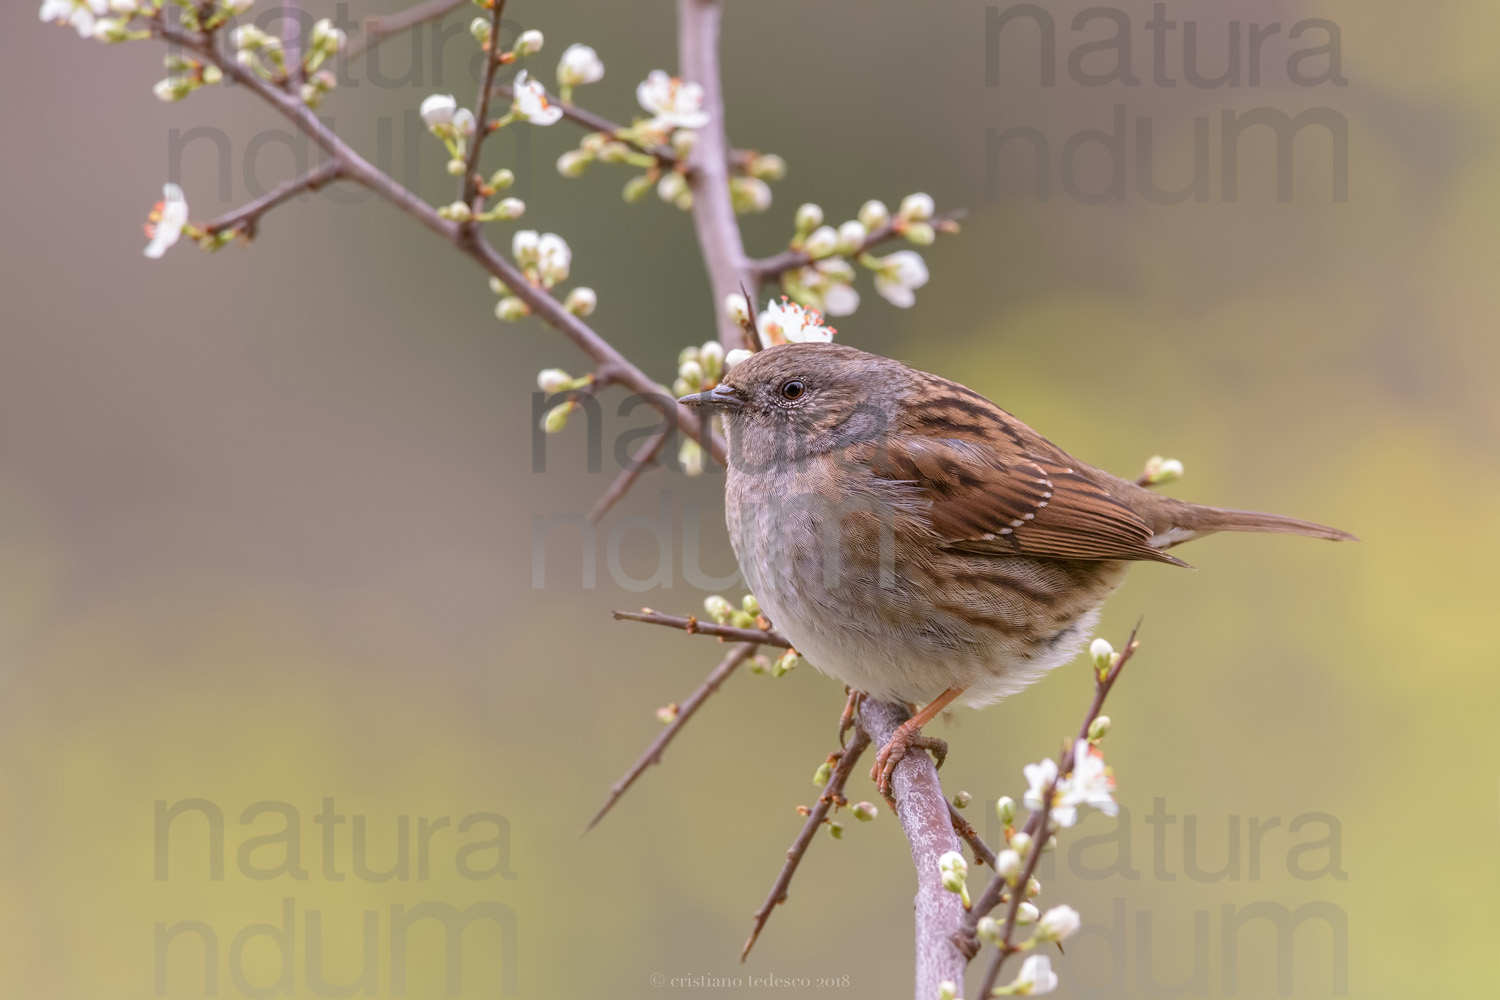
[510, 208]
[581, 301]
[552, 380]
[768, 167]
[717, 607]
[920, 233]
[457, 167]
[511, 309]
[667, 714]
[1033, 888]
[916, 207]
[1102, 653]
[1026, 913]
[436, 110]
[809, 217]
[557, 417]
[873, 214]
[480, 29]
[823, 774]
[212, 75]
[835, 830]
[573, 163]
[852, 235]
[124, 6]
[671, 185]
[1008, 866]
[821, 242]
[990, 930]
[636, 188]
[529, 43]
[1006, 810]
[525, 247]
[1058, 924]
[1162, 470]
[171, 89]
[734, 357]
[502, 179]
[691, 372]
[749, 194]
[1020, 842]
[684, 140]
[690, 457]
[864, 811]
[947, 990]
[785, 663]
[580, 64]
[748, 603]
[736, 308]
[962, 799]
[712, 359]
[1099, 728]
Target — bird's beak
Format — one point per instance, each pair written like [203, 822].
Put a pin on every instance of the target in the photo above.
[720, 397]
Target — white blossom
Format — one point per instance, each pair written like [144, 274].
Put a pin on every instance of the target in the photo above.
[786, 322]
[524, 247]
[531, 101]
[1038, 778]
[579, 64]
[167, 221]
[582, 301]
[79, 13]
[899, 276]
[1102, 653]
[529, 43]
[671, 102]
[1091, 783]
[554, 259]
[438, 110]
[916, 207]
[1035, 978]
[1058, 924]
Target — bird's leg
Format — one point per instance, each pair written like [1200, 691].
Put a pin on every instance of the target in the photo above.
[846, 721]
[908, 735]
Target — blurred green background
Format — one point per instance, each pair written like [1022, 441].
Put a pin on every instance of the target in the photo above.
[267, 519]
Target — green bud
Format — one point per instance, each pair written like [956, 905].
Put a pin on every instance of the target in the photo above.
[573, 163]
[717, 607]
[768, 167]
[638, 187]
[835, 830]
[1006, 810]
[864, 811]
[962, 799]
[822, 775]
[750, 605]
[511, 309]
[809, 217]
[920, 233]
[557, 417]
[457, 167]
[1099, 728]
[502, 179]
[990, 930]
[785, 663]
[873, 214]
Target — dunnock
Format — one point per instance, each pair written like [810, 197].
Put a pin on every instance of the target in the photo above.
[919, 543]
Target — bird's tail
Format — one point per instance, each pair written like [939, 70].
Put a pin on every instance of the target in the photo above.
[1201, 519]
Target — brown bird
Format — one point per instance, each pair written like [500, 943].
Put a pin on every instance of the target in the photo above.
[921, 544]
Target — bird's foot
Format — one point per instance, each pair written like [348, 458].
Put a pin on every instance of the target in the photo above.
[906, 737]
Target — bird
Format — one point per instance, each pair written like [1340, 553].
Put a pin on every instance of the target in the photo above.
[919, 543]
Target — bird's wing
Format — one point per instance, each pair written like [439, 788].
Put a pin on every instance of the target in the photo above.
[993, 486]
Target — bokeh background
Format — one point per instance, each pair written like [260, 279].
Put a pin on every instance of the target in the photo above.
[266, 521]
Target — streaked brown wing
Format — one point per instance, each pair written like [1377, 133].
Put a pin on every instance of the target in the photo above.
[1003, 495]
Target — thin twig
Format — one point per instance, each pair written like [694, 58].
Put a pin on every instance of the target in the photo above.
[685, 712]
[833, 792]
[381, 28]
[665, 155]
[639, 463]
[482, 110]
[961, 826]
[1040, 827]
[693, 625]
[247, 217]
[471, 242]
[770, 268]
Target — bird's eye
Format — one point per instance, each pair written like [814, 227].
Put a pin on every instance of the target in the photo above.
[793, 389]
